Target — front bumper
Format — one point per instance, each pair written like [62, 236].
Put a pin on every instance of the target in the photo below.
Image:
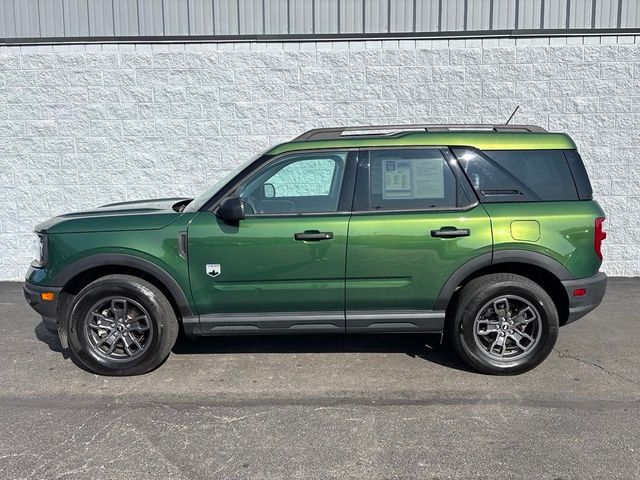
[47, 309]
[595, 286]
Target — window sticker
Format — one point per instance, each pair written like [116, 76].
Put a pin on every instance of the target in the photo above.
[397, 179]
[413, 178]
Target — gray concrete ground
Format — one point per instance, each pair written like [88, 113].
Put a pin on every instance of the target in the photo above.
[324, 407]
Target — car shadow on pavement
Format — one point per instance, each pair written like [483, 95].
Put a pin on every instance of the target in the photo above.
[426, 347]
[50, 338]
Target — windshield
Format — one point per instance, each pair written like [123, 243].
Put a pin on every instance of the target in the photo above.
[198, 202]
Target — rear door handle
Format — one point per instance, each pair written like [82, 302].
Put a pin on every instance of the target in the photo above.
[313, 235]
[450, 232]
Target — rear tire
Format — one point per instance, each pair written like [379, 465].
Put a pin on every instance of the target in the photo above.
[121, 325]
[504, 324]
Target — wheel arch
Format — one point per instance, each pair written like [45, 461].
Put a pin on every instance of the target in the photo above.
[542, 269]
[77, 275]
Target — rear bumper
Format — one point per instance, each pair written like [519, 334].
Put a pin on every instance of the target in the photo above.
[595, 286]
[47, 309]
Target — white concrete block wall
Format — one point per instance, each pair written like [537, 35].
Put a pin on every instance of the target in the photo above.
[85, 125]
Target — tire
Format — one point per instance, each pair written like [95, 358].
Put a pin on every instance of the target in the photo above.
[510, 307]
[124, 314]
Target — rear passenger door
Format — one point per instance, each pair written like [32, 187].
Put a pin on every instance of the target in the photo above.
[415, 222]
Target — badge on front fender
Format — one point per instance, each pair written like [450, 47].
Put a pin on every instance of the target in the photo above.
[213, 269]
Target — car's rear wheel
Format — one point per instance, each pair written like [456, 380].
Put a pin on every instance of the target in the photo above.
[504, 324]
[121, 325]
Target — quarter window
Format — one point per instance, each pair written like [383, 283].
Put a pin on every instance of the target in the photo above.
[522, 175]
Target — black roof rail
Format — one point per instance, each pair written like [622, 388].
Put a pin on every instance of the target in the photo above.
[333, 133]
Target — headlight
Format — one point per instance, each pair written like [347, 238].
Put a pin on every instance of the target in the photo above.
[40, 250]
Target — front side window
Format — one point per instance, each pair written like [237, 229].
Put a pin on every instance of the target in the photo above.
[410, 179]
[298, 183]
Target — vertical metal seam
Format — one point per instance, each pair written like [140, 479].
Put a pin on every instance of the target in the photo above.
[542, 14]
[465, 15]
[213, 16]
[288, 16]
[39, 22]
[619, 19]
[88, 23]
[388, 16]
[415, 15]
[313, 17]
[567, 22]
[338, 4]
[490, 14]
[593, 13]
[238, 12]
[364, 16]
[264, 19]
[64, 30]
[439, 15]
[517, 14]
[15, 19]
[164, 28]
[113, 16]
[138, 15]
[188, 19]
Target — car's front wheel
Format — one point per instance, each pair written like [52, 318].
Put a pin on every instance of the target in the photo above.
[121, 325]
[504, 324]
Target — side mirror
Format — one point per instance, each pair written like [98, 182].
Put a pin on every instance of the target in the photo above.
[268, 190]
[231, 210]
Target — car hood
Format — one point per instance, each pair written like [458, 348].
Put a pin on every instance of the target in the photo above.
[135, 215]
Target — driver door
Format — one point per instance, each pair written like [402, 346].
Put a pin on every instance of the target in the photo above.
[282, 268]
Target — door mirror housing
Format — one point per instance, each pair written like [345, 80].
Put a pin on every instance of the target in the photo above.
[231, 210]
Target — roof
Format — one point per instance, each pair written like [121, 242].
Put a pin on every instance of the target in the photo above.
[487, 139]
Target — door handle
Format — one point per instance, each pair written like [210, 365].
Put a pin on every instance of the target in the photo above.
[450, 232]
[313, 235]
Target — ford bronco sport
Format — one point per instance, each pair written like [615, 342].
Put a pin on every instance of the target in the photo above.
[485, 233]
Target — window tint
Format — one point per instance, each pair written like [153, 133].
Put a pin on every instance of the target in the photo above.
[580, 177]
[523, 175]
[410, 179]
[300, 183]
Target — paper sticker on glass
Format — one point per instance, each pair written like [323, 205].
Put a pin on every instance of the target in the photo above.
[413, 178]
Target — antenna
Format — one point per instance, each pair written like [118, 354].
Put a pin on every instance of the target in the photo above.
[514, 112]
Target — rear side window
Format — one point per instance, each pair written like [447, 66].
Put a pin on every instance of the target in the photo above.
[518, 175]
[409, 179]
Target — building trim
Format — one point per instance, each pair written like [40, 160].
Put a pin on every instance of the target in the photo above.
[320, 37]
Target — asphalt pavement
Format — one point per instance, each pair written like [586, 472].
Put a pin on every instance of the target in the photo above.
[318, 407]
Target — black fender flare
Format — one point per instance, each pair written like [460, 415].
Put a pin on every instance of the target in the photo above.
[501, 256]
[131, 261]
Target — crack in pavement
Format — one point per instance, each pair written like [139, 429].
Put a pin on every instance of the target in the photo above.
[593, 364]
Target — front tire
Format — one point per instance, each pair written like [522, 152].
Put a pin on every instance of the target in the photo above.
[121, 325]
[504, 324]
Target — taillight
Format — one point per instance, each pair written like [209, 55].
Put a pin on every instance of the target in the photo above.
[598, 236]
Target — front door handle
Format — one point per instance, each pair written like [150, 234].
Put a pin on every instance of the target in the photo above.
[313, 235]
[450, 232]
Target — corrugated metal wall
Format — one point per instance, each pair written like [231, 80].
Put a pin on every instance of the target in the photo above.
[81, 18]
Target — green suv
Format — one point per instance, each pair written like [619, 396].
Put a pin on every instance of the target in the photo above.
[485, 233]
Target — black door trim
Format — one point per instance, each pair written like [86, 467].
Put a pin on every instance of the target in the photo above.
[261, 323]
[391, 321]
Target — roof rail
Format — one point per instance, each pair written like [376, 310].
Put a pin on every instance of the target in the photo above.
[340, 132]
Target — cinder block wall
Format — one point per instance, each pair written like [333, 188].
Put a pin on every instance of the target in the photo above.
[86, 125]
